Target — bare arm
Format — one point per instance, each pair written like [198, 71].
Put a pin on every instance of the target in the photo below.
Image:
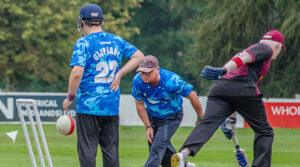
[75, 79]
[143, 114]
[136, 59]
[231, 65]
[196, 105]
[74, 82]
[213, 73]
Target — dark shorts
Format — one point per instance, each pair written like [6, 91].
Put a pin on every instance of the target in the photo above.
[93, 130]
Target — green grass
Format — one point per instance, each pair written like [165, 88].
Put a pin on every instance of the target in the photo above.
[134, 149]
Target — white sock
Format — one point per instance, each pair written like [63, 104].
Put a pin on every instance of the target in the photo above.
[186, 152]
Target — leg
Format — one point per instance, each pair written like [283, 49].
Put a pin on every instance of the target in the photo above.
[161, 143]
[109, 140]
[253, 110]
[217, 110]
[166, 161]
[87, 139]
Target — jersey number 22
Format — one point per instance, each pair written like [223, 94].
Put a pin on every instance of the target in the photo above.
[104, 69]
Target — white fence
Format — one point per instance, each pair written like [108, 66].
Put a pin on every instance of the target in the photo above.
[129, 116]
[50, 108]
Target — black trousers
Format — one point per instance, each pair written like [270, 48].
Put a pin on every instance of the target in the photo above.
[93, 130]
[253, 111]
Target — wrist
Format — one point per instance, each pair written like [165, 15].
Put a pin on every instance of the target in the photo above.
[70, 97]
[200, 118]
[147, 127]
[224, 70]
[119, 74]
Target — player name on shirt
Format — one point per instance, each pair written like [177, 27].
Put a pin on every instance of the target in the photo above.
[105, 51]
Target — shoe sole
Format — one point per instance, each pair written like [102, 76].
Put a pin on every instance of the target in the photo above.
[175, 160]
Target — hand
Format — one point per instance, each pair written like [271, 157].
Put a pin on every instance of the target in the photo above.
[116, 82]
[199, 119]
[213, 73]
[198, 122]
[227, 127]
[149, 134]
[66, 104]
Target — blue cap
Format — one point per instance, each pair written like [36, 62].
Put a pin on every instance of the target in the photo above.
[91, 11]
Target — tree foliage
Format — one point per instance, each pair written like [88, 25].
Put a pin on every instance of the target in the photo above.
[37, 39]
[162, 34]
[223, 28]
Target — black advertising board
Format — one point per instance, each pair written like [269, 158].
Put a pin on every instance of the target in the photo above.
[49, 106]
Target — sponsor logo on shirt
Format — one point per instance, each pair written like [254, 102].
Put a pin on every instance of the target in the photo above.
[105, 43]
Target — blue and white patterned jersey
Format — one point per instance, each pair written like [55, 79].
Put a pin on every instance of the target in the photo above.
[100, 54]
[165, 98]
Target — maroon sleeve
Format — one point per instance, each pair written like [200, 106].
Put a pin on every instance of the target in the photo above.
[260, 52]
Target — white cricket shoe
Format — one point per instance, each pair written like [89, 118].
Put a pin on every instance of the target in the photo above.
[178, 160]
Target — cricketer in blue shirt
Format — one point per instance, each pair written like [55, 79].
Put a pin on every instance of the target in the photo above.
[95, 79]
[158, 97]
[100, 54]
[165, 98]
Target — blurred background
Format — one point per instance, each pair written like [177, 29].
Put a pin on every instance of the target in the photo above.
[37, 39]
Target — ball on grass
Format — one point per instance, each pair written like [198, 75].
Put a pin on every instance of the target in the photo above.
[65, 124]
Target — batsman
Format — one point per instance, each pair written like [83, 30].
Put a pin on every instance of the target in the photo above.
[236, 89]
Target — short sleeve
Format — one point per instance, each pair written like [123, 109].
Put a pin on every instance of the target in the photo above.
[80, 53]
[128, 49]
[260, 52]
[136, 91]
[180, 86]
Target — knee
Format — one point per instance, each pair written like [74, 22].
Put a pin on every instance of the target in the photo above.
[265, 130]
[268, 131]
[158, 147]
[266, 135]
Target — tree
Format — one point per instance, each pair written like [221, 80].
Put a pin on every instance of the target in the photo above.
[37, 38]
[223, 28]
[161, 23]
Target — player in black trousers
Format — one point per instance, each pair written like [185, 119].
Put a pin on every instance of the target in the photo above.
[236, 89]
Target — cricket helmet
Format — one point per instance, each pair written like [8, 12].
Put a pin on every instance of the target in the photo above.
[91, 11]
[91, 14]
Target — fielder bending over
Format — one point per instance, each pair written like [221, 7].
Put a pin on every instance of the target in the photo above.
[158, 97]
